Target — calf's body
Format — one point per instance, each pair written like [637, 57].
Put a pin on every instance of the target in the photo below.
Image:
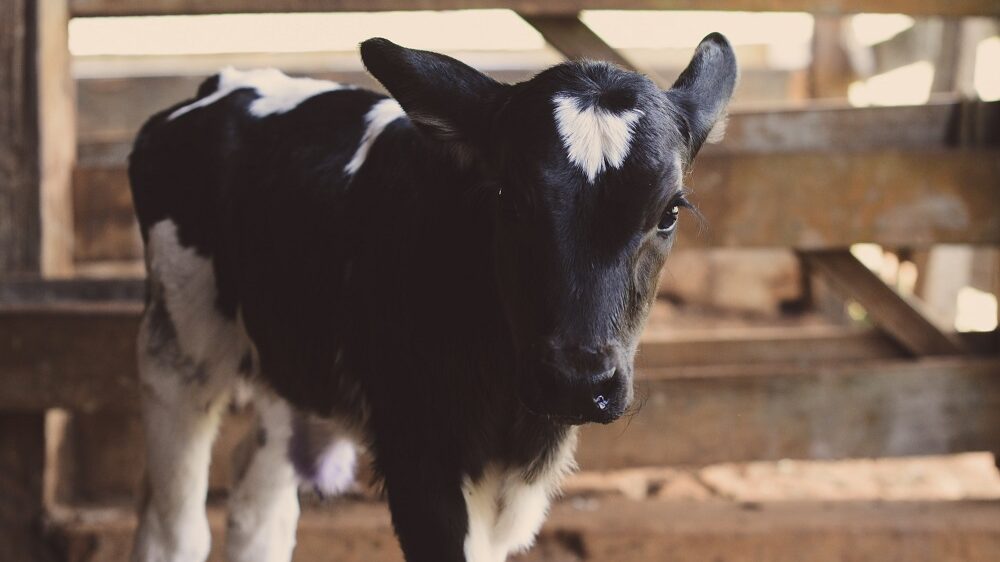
[454, 281]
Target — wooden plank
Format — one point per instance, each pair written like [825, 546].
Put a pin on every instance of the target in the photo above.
[22, 463]
[92, 8]
[609, 528]
[704, 415]
[792, 345]
[37, 143]
[818, 200]
[77, 356]
[111, 109]
[56, 136]
[571, 37]
[82, 358]
[888, 309]
[811, 200]
[830, 72]
[20, 222]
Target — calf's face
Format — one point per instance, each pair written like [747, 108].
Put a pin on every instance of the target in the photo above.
[585, 164]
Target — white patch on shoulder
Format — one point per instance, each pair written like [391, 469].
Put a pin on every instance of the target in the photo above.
[190, 292]
[505, 510]
[376, 120]
[595, 138]
[278, 92]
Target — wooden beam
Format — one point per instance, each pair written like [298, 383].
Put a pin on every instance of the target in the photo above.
[20, 221]
[610, 528]
[571, 37]
[704, 415]
[56, 136]
[888, 309]
[830, 72]
[753, 408]
[811, 200]
[111, 109]
[92, 8]
[37, 139]
[22, 463]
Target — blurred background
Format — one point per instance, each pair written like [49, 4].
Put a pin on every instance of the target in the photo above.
[821, 372]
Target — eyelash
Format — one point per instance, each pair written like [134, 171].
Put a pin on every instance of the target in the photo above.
[668, 220]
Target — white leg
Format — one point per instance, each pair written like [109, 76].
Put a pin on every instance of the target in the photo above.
[264, 506]
[181, 408]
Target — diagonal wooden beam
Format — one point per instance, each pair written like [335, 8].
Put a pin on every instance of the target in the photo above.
[571, 37]
[890, 312]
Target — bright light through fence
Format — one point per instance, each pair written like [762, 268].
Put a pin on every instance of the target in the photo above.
[976, 311]
[987, 73]
[300, 33]
[787, 33]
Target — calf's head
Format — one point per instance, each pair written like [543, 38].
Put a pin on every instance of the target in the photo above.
[585, 163]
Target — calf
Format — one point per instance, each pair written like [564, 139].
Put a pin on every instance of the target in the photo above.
[454, 279]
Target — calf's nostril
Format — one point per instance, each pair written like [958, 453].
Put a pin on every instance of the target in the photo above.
[601, 402]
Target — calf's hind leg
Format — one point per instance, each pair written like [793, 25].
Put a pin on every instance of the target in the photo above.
[181, 409]
[264, 504]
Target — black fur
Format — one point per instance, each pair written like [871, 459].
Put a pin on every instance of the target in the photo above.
[464, 288]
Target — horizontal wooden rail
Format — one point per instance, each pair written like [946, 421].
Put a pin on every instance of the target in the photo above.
[810, 200]
[90, 8]
[753, 406]
[815, 177]
[609, 528]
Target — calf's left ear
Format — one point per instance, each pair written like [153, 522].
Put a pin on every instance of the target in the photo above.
[702, 91]
[447, 99]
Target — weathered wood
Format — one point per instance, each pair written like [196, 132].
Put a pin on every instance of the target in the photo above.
[20, 221]
[702, 415]
[90, 8]
[887, 309]
[609, 528]
[56, 135]
[818, 200]
[22, 463]
[830, 72]
[571, 37]
[811, 200]
[81, 357]
[750, 409]
[112, 109]
[37, 138]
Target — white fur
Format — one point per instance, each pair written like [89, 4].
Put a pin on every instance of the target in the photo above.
[185, 384]
[264, 507]
[278, 92]
[336, 467]
[595, 138]
[190, 293]
[376, 120]
[505, 511]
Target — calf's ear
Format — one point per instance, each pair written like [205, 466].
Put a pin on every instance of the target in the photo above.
[447, 99]
[701, 93]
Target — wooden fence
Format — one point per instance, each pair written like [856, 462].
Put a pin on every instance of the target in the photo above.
[815, 179]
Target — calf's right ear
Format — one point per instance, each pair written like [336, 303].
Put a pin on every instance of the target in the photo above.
[447, 99]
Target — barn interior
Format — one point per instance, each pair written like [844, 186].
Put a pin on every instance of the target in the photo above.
[820, 376]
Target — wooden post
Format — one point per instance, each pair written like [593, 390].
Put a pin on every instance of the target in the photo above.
[22, 455]
[37, 146]
[37, 138]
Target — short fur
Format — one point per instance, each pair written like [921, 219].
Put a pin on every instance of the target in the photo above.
[452, 287]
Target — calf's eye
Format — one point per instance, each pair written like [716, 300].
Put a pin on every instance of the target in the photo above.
[668, 222]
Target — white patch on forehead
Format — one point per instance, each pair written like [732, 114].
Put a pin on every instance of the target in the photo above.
[278, 92]
[594, 137]
[376, 120]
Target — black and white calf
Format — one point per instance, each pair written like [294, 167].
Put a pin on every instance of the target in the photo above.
[454, 279]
